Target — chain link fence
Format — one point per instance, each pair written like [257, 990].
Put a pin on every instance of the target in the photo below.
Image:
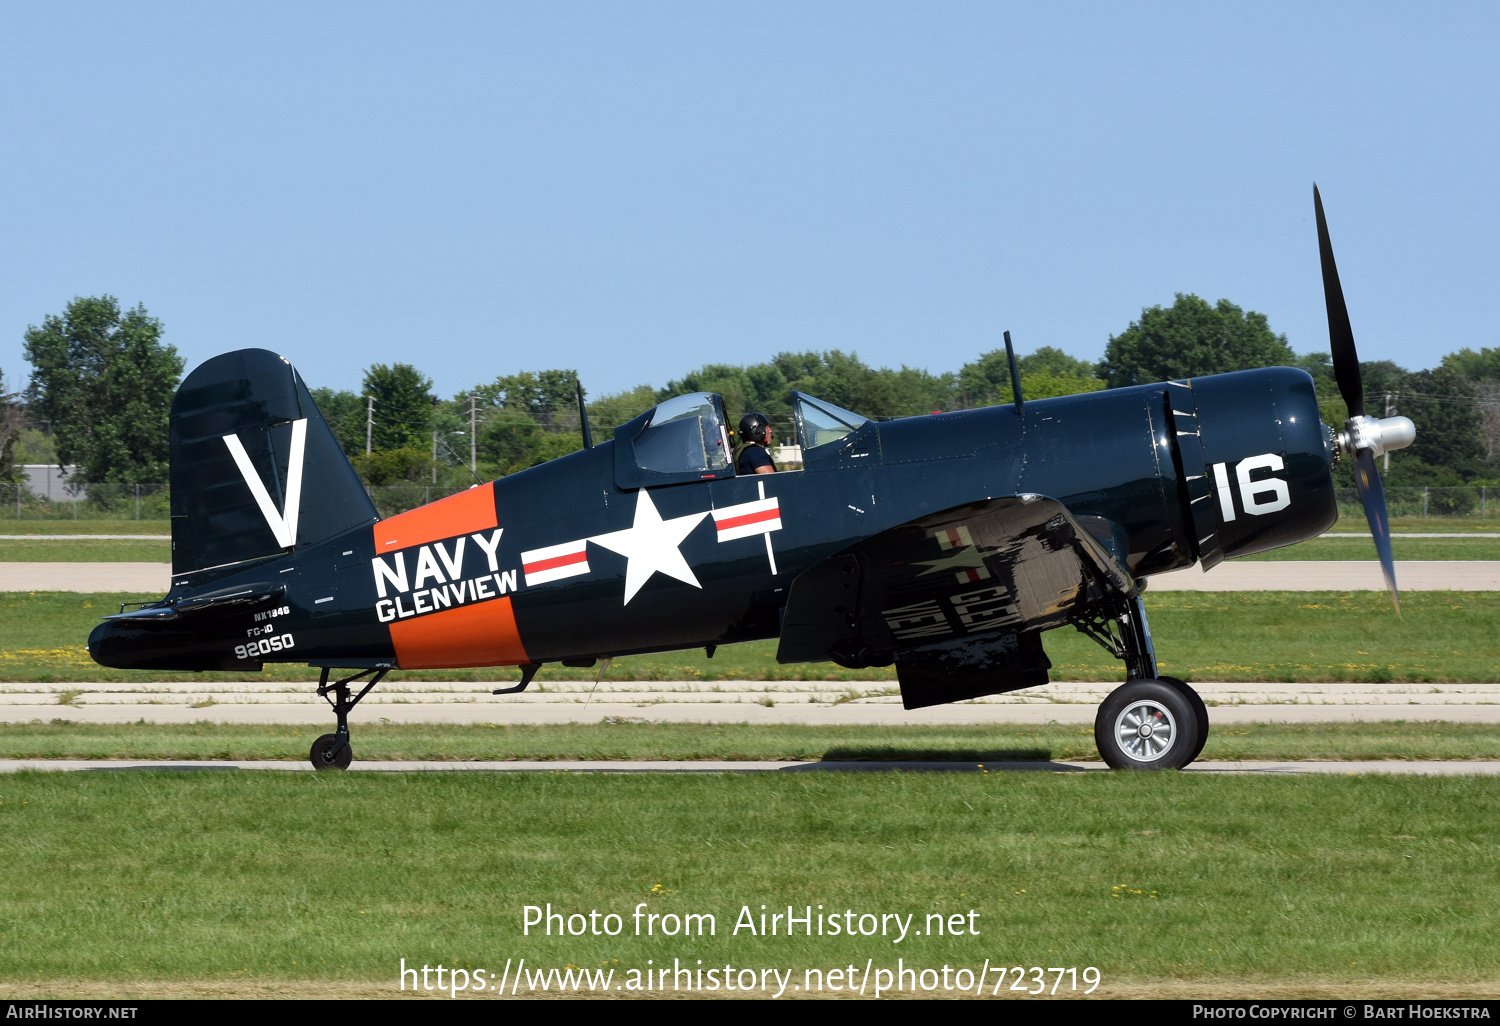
[1460, 501]
[81, 501]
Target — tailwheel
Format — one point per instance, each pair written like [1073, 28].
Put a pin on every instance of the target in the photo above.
[1147, 724]
[333, 751]
[330, 753]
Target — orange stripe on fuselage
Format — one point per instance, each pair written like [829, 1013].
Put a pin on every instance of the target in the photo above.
[473, 510]
[480, 634]
[483, 634]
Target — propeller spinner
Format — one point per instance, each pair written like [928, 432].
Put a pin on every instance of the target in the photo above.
[1363, 438]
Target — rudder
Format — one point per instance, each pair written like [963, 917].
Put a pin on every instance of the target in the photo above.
[246, 438]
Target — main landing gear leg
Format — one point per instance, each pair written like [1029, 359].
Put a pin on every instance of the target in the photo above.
[332, 751]
[1150, 721]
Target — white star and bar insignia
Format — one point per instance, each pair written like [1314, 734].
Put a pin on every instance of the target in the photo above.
[652, 545]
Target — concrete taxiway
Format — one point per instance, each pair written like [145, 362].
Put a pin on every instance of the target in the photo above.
[805, 702]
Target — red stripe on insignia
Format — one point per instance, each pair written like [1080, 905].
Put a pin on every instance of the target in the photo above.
[566, 559]
[749, 518]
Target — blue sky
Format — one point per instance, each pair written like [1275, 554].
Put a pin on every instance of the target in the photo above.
[636, 189]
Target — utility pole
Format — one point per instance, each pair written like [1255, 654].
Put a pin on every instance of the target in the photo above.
[435, 403]
[369, 423]
[473, 435]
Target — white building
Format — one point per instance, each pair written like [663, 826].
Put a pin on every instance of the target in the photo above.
[51, 482]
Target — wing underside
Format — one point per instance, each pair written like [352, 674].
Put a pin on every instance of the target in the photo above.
[955, 599]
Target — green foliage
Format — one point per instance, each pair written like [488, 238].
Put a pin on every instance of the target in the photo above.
[1481, 366]
[1191, 338]
[393, 466]
[511, 441]
[345, 413]
[760, 388]
[1482, 370]
[105, 381]
[1451, 440]
[522, 419]
[1045, 374]
[549, 397]
[403, 406]
[845, 380]
[11, 424]
[1441, 403]
[610, 411]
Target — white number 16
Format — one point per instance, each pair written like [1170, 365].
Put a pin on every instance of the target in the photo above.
[1278, 495]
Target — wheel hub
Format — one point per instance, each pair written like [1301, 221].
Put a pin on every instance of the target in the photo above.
[1146, 730]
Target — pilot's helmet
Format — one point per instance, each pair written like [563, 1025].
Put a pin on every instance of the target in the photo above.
[753, 427]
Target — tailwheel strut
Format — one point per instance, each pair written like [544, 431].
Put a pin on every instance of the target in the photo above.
[332, 751]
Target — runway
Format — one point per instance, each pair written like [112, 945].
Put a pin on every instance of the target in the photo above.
[1305, 767]
[765, 702]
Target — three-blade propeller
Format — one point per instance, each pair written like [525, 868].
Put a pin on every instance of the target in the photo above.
[1363, 437]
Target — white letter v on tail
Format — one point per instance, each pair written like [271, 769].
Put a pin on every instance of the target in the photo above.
[284, 524]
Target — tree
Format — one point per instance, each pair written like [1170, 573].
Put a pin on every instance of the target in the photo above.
[1192, 338]
[345, 413]
[10, 430]
[845, 380]
[1441, 403]
[1481, 366]
[105, 381]
[1483, 370]
[549, 397]
[403, 406]
[392, 466]
[1045, 374]
[610, 411]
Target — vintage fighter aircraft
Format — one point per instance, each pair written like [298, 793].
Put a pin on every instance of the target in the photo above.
[944, 544]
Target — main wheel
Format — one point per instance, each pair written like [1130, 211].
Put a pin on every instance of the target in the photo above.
[323, 757]
[1146, 724]
[1199, 708]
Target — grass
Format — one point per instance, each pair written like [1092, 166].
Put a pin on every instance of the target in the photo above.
[1476, 546]
[257, 878]
[632, 740]
[1206, 636]
[1356, 522]
[69, 526]
[64, 550]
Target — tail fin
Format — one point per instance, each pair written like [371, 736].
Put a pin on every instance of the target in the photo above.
[255, 469]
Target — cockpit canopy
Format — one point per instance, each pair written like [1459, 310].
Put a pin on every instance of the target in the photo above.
[686, 438]
[682, 439]
[819, 422]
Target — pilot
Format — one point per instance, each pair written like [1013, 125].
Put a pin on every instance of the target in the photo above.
[751, 455]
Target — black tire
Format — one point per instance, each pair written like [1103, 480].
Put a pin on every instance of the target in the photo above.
[1146, 725]
[1198, 707]
[323, 757]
